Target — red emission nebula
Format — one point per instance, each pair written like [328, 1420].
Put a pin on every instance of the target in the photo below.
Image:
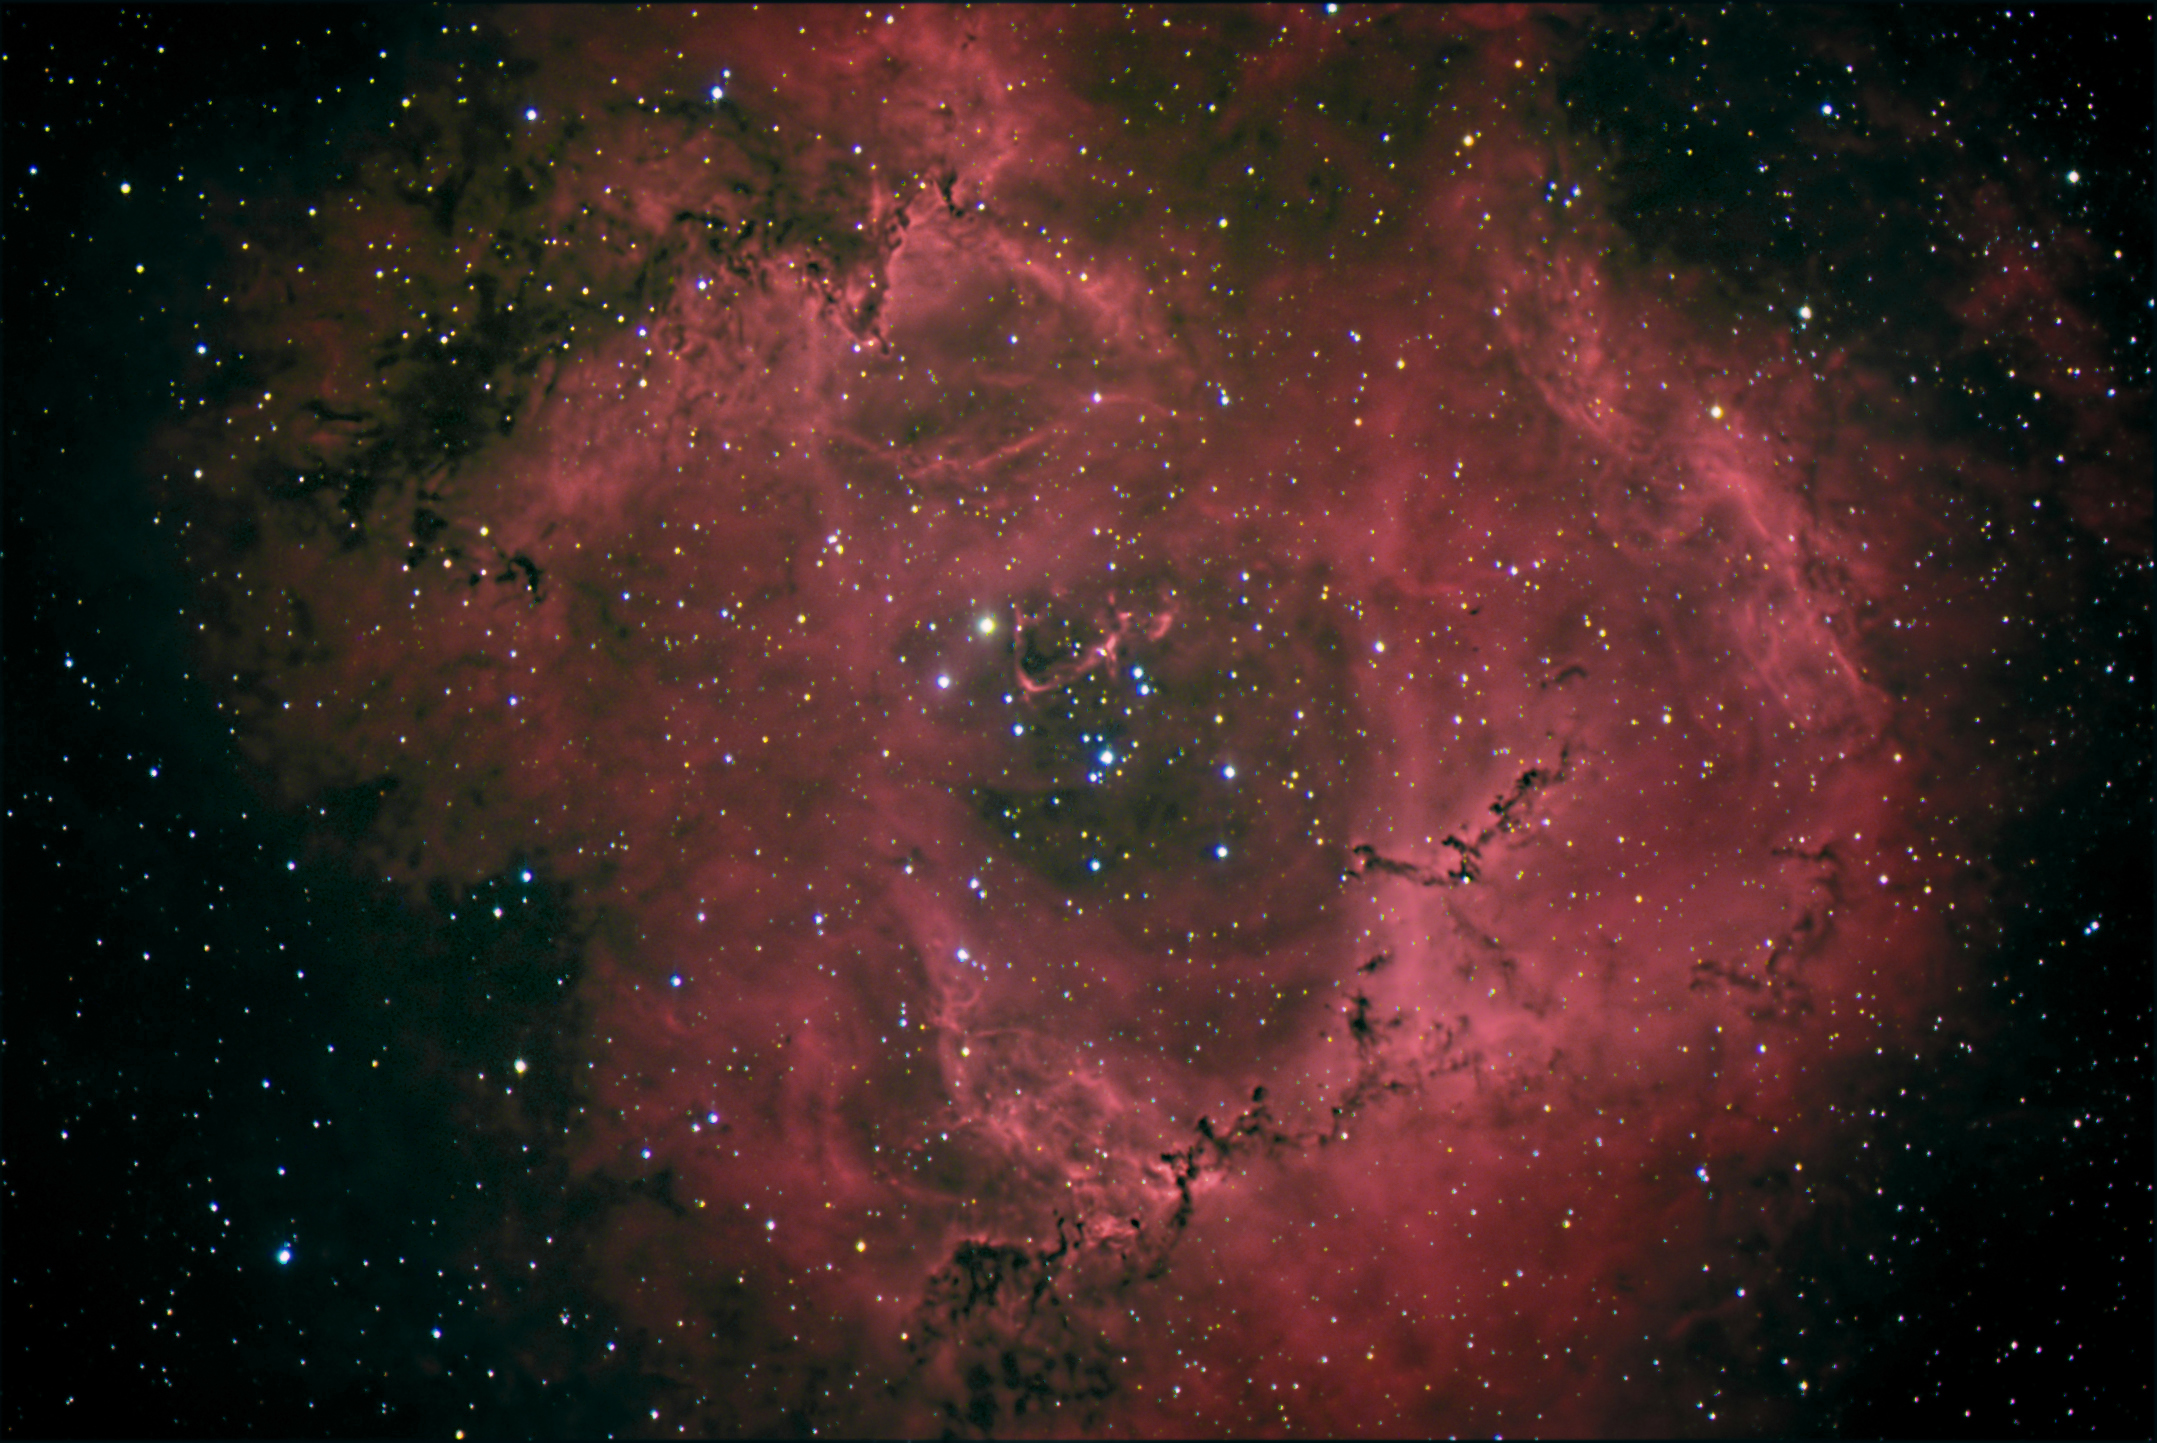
[1225, 763]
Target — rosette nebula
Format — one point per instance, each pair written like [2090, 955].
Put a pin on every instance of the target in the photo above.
[1033, 722]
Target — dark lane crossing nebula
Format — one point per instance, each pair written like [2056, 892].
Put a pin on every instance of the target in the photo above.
[1049, 722]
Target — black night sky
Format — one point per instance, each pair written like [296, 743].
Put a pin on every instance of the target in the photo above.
[1199, 721]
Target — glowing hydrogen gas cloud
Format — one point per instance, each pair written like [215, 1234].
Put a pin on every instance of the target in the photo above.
[1232, 758]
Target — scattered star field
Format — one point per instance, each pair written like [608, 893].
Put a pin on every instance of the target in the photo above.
[1061, 722]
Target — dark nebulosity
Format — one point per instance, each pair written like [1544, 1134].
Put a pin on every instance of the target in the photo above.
[1023, 722]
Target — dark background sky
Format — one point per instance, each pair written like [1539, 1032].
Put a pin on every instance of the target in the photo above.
[181, 1100]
